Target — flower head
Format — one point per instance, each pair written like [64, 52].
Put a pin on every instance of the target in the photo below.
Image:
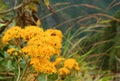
[71, 64]
[11, 50]
[13, 32]
[31, 31]
[64, 71]
[58, 61]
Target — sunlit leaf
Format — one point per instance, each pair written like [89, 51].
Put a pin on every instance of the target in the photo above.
[1, 25]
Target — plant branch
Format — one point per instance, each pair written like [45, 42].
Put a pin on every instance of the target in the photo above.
[16, 7]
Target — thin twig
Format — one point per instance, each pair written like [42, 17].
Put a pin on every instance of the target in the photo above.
[110, 5]
[12, 9]
[7, 73]
[16, 1]
[98, 14]
[116, 4]
[15, 8]
[72, 6]
[36, 77]
[61, 4]
[65, 22]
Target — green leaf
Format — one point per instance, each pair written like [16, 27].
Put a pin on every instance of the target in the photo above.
[83, 57]
[67, 44]
[9, 65]
[41, 78]
[1, 25]
[71, 55]
[107, 78]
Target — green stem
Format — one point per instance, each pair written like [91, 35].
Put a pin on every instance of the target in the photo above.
[46, 78]
[24, 72]
[18, 73]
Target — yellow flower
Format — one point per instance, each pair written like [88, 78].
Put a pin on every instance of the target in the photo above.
[39, 40]
[43, 65]
[47, 41]
[31, 31]
[54, 32]
[57, 42]
[13, 32]
[16, 53]
[11, 50]
[58, 61]
[71, 64]
[39, 51]
[76, 67]
[64, 71]
[26, 50]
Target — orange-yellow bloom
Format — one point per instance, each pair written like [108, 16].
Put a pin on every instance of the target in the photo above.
[13, 32]
[71, 64]
[64, 71]
[58, 61]
[11, 50]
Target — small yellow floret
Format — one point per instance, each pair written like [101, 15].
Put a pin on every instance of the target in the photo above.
[58, 61]
[11, 50]
[64, 71]
[71, 64]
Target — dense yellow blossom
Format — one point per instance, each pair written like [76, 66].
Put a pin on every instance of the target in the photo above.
[71, 64]
[13, 32]
[31, 31]
[43, 65]
[40, 40]
[64, 71]
[39, 51]
[47, 40]
[26, 50]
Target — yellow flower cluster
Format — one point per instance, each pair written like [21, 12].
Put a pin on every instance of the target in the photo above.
[71, 64]
[40, 45]
[64, 71]
[13, 33]
[12, 51]
[68, 64]
[31, 32]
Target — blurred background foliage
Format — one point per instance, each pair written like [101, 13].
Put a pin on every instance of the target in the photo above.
[90, 27]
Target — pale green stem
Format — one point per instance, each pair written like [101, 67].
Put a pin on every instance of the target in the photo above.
[18, 73]
[46, 78]
[24, 72]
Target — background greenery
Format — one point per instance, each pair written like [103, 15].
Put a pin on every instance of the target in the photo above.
[90, 28]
